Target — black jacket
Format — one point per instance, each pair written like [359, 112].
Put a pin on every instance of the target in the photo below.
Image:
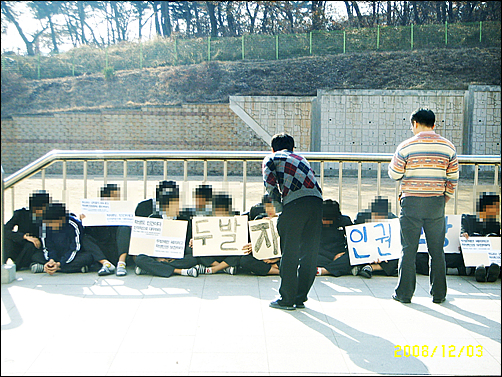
[25, 224]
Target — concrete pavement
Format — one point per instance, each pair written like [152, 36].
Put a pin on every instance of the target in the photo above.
[83, 324]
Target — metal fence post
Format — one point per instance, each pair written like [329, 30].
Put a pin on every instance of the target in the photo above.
[344, 37]
[277, 47]
[310, 43]
[378, 37]
[209, 48]
[446, 33]
[242, 48]
[140, 55]
[38, 66]
[480, 28]
[412, 36]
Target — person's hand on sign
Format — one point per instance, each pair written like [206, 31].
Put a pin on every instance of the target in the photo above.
[247, 248]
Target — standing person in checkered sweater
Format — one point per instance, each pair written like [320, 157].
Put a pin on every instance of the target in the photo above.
[290, 180]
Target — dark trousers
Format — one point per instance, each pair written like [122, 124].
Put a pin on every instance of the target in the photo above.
[231, 260]
[20, 252]
[82, 258]
[252, 265]
[299, 226]
[417, 213]
[164, 269]
[340, 266]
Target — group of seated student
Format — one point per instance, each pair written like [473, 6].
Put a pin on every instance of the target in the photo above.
[333, 258]
[45, 237]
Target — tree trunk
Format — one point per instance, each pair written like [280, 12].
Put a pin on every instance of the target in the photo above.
[197, 20]
[212, 18]
[29, 45]
[389, 13]
[230, 20]
[81, 16]
[167, 28]
[265, 19]
[349, 13]
[53, 37]
[252, 17]
[358, 13]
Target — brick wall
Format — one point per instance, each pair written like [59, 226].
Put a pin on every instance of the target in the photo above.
[186, 127]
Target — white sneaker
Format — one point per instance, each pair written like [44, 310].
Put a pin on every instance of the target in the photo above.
[121, 270]
[139, 271]
[230, 270]
[192, 272]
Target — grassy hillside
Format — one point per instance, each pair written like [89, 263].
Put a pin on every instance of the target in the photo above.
[216, 81]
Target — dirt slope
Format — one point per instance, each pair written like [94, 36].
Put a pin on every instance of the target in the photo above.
[216, 81]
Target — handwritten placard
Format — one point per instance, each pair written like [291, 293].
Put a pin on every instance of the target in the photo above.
[451, 240]
[219, 235]
[265, 239]
[158, 237]
[373, 241]
[98, 212]
[480, 250]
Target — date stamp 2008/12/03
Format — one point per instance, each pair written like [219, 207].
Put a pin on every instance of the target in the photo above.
[438, 351]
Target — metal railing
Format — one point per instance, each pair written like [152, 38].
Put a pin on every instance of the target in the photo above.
[50, 158]
[64, 156]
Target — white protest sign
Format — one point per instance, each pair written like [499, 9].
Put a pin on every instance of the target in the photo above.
[158, 237]
[219, 235]
[451, 240]
[371, 241]
[265, 238]
[480, 250]
[100, 212]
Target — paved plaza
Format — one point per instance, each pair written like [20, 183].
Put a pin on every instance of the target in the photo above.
[83, 324]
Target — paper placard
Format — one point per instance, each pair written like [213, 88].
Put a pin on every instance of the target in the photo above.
[371, 241]
[214, 236]
[100, 212]
[480, 250]
[265, 238]
[451, 240]
[158, 237]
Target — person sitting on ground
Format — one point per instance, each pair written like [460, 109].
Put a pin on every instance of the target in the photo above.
[379, 210]
[166, 205]
[248, 263]
[61, 240]
[108, 239]
[485, 224]
[222, 207]
[22, 231]
[333, 258]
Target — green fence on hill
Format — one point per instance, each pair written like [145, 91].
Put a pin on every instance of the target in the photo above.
[179, 51]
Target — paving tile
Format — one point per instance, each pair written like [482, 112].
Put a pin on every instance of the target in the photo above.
[229, 363]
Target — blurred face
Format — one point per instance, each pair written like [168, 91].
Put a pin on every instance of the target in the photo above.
[491, 211]
[270, 209]
[114, 195]
[200, 202]
[221, 212]
[327, 222]
[172, 209]
[38, 211]
[378, 216]
[54, 224]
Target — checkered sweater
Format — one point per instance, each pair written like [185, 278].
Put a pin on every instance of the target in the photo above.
[288, 176]
[426, 164]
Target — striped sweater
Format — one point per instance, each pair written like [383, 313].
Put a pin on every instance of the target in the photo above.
[426, 164]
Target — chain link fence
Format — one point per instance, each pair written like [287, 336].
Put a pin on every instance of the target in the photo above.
[178, 51]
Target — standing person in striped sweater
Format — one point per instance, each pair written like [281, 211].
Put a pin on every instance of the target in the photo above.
[427, 167]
